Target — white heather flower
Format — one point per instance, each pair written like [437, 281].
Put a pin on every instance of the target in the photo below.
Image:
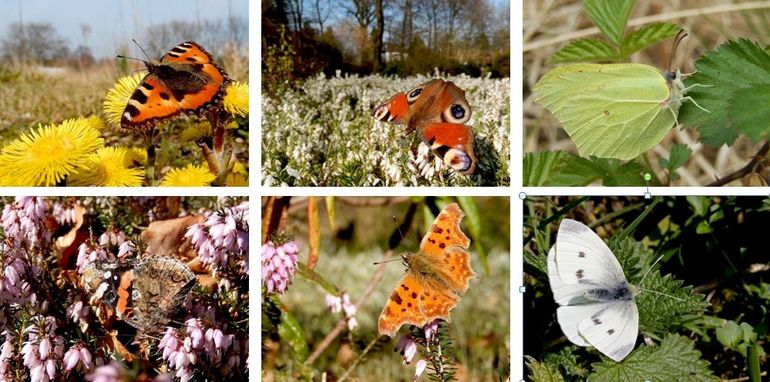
[419, 368]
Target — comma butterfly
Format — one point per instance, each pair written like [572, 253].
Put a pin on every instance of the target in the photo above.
[436, 277]
[185, 79]
[439, 111]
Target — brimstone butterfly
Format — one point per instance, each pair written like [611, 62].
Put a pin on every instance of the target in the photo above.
[614, 110]
[596, 303]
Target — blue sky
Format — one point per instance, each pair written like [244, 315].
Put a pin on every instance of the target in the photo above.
[113, 22]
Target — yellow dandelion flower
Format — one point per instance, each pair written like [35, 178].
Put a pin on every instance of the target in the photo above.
[190, 176]
[94, 122]
[117, 97]
[135, 157]
[194, 132]
[107, 167]
[238, 177]
[236, 100]
[45, 156]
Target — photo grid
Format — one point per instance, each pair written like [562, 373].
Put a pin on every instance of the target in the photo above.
[487, 190]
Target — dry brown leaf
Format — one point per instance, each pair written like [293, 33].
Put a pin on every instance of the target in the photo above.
[166, 237]
[67, 245]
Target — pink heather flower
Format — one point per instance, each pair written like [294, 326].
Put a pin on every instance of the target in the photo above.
[89, 252]
[126, 249]
[23, 221]
[407, 347]
[78, 356]
[206, 343]
[112, 237]
[6, 354]
[279, 263]
[419, 368]
[106, 373]
[337, 304]
[43, 349]
[430, 329]
[78, 311]
[64, 214]
[334, 303]
[224, 234]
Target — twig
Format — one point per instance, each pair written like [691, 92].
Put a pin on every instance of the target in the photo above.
[764, 373]
[358, 359]
[342, 323]
[651, 19]
[747, 169]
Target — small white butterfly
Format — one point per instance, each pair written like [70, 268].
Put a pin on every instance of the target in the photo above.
[597, 305]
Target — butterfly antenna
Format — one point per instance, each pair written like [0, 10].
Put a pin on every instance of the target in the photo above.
[652, 291]
[663, 294]
[650, 269]
[142, 49]
[677, 40]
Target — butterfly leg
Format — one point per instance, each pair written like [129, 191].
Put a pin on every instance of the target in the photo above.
[695, 103]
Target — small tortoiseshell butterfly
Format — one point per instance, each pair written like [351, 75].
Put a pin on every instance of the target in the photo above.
[142, 292]
[185, 79]
[438, 110]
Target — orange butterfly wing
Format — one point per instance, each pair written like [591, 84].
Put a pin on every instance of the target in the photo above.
[436, 279]
[454, 144]
[439, 110]
[414, 302]
[185, 79]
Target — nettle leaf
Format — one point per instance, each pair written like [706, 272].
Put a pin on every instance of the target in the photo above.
[566, 360]
[559, 168]
[609, 16]
[662, 300]
[646, 36]
[749, 109]
[674, 360]
[729, 73]
[585, 50]
[543, 371]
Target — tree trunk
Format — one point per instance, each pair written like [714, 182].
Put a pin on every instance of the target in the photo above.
[377, 36]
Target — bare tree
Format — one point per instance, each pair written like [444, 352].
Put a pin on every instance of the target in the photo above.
[321, 13]
[362, 11]
[377, 36]
[37, 42]
[406, 26]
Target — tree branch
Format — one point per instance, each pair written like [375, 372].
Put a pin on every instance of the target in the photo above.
[745, 170]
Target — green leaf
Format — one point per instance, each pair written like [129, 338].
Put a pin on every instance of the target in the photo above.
[730, 335]
[674, 360]
[290, 331]
[542, 371]
[539, 166]
[646, 36]
[558, 168]
[609, 16]
[585, 50]
[678, 157]
[567, 361]
[662, 300]
[616, 173]
[733, 67]
[749, 110]
[312, 275]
